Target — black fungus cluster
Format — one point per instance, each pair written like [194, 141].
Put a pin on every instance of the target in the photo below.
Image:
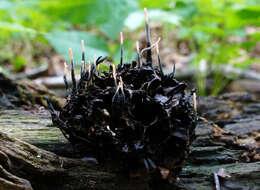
[133, 118]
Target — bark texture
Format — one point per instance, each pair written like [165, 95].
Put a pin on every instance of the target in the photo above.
[227, 137]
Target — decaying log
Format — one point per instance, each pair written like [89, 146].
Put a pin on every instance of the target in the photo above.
[46, 170]
[24, 94]
[10, 181]
[224, 140]
[230, 142]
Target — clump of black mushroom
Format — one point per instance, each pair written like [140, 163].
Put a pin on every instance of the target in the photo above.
[132, 119]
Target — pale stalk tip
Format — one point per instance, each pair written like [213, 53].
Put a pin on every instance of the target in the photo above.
[121, 81]
[195, 101]
[121, 84]
[137, 47]
[70, 53]
[157, 48]
[114, 73]
[146, 15]
[89, 68]
[94, 58]
[159, 39]
[66, 71]
[121, 38]
[66, 68]
[82, 46]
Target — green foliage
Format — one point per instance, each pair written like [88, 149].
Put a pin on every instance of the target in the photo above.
[14, 27]
[63, 40]
[51, 18]
[115, 13]
[19, 63]
[207, 25]
[136, 19]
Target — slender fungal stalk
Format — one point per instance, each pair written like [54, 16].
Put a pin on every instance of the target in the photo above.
[83, 65]
[82, 68]
[148, 38]
[121, 48]
[121, 84]
[195, 102]
[89, 71]
[65, 78]
[114, 74]
[138, 54]
[174, 69]
[72, 72]
[120, 87]
[98, 69]
[158, 58]
[95, 61]
[86, 69]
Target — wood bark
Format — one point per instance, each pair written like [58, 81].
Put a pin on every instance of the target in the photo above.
[227, 137]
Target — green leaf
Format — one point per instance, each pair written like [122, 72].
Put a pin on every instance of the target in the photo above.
[156, 4]
[3, 70]
[184, 32]
[208, 29]
[14, 27]
[110, 15]
[63, 40]
[107, 15]
[249, 12]
[62, 4]
[240, 32]
[19, 62]
[185, 10]
[243, 16]
[136, 19]
[5, 5]
[70, 12]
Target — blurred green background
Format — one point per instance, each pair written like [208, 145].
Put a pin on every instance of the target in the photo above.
[204, 32]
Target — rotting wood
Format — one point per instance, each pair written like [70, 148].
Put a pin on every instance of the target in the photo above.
[215, 147]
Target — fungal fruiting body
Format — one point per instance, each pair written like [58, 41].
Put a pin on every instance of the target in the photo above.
[132, 118]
